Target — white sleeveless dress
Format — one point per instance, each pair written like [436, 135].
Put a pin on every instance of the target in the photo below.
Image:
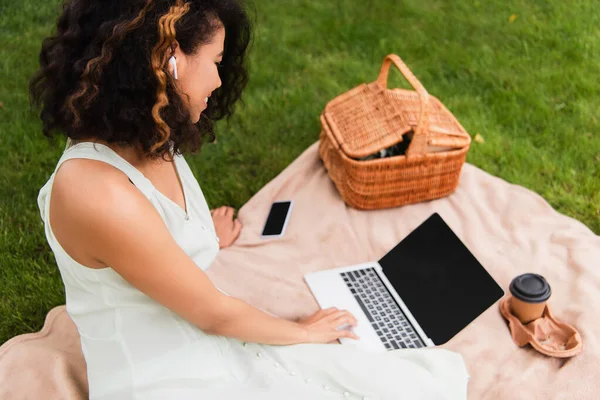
[137, 349]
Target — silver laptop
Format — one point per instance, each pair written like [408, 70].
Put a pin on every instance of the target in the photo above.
[420, 294]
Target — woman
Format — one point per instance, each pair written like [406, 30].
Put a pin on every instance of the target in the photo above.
[133, 84]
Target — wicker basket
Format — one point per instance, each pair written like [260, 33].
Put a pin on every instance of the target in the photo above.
[371, 117]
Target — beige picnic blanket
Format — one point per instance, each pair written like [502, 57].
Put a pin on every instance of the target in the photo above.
[511, 230]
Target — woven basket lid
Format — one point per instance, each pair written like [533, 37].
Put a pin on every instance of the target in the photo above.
[372, 117]
[364, 121]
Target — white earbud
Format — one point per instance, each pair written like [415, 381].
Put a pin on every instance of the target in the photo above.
[173, 61]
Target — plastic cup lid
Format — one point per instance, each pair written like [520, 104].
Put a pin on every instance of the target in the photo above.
[530, 288]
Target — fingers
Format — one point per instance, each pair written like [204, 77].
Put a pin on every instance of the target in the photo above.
[344, 317]
[223, 211]
[219, 211]
[336, 317]
[328, 321]
[343, 320]
[237, 228]
[346, 334]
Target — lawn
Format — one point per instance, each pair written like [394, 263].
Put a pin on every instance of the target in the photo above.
[524, 75]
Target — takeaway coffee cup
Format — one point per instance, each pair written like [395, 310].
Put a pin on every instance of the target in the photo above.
[529, 295]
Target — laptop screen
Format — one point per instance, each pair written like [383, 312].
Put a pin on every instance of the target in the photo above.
[440, 281]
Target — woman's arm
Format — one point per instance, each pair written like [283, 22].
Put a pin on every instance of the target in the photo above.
[245, 322]
[121, 229]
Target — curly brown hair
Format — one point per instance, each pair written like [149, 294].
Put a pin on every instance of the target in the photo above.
[103, 74]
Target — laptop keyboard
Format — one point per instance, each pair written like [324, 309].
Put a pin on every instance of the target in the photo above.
[388, 320]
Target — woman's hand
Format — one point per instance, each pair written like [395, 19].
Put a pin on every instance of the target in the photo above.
[322, 326]
[227, 228]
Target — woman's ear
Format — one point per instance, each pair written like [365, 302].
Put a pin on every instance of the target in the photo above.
[176, 61]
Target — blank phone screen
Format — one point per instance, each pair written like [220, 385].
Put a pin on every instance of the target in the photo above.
[276, 218]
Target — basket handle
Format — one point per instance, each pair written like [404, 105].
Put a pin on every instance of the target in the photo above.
[418, 144]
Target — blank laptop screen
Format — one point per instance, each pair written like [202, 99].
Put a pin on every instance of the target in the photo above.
[440, 281]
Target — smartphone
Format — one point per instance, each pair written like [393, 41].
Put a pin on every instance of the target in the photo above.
[277, 220]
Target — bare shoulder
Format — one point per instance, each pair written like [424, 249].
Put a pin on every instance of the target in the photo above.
[88, 197]
[81, 181]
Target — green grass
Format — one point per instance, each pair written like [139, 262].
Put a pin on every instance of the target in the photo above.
[529, 87]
